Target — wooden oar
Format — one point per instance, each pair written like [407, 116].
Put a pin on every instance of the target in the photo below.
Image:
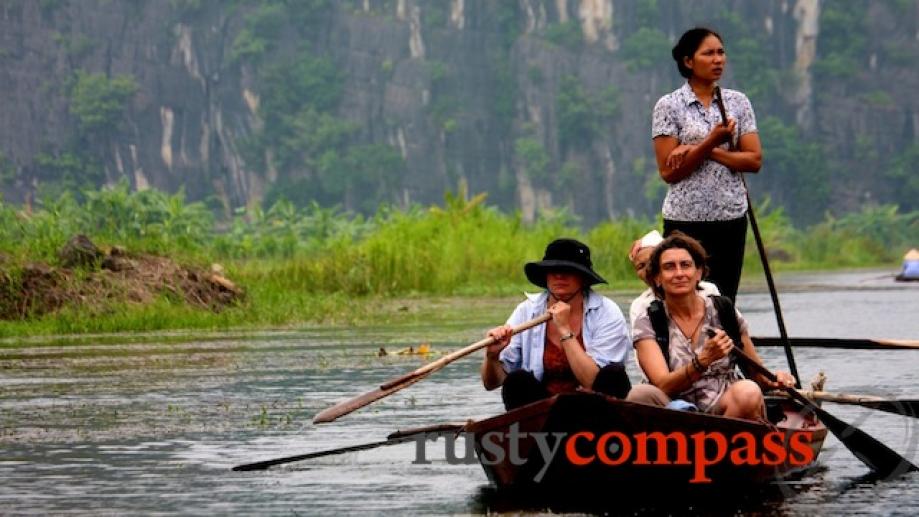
[882, 460]
[905, 407]
[404, 381]
[850, 343]
[392, 439]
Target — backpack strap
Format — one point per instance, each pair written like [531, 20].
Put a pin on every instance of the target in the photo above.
[728, 317]
[661, 325]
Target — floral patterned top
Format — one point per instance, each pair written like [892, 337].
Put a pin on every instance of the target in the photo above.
[706, 391]
[712, 192]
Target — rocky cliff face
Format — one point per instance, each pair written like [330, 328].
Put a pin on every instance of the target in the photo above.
[543, 103]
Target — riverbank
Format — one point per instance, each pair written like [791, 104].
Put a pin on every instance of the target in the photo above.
[314, 265]
[265, 310]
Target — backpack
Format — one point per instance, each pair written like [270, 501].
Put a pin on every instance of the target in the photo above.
[661, 324]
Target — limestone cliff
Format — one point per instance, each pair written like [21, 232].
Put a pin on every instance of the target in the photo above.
[543, 103]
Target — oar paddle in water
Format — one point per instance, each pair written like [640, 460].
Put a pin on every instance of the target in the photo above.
[882, 460]
[404, 381]
[905, 407]
[850, 343]
[392, 439]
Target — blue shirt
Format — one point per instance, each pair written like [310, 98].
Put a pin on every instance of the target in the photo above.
[911, 268]
[603, 329]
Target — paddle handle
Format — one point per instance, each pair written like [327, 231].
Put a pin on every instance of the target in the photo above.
[453, 356]
[758, 368]
[842, 398]
[761, 249]
[765, 372]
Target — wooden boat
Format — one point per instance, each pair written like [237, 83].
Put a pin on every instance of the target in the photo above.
[588, 412]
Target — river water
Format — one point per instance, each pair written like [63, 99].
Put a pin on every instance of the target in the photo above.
[153, 424]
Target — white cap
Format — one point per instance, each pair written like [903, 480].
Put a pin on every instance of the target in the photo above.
[650, 239]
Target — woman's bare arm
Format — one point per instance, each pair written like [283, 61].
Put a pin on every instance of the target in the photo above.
[658, 373]
[676, 168]
[747, 158]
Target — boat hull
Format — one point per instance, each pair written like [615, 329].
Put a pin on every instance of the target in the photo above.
[685, 453]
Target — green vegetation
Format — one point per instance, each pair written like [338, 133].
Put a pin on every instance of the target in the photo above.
[903, 177]
[67, 171]
[319, 156]
[98, 101]
[7, 171]
[843, 39]
[796, 170]
[259, 34]
[577, 122]
[643, 48]
[534, 157]
[444, 104]
[567, 35]
[581, 116]
[880, 99]
[76, 46]
[316, 264]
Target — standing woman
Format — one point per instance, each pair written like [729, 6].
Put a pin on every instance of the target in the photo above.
[706, 198]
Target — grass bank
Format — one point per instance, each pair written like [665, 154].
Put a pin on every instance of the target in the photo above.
[315, 264]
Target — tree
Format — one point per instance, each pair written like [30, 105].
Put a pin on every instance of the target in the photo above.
[533, 156]
[577, 118]
[99, 102]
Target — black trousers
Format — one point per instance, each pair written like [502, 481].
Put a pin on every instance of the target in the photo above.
[724, 241]
[521, 387]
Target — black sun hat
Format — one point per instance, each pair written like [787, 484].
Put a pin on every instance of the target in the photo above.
[563, 255]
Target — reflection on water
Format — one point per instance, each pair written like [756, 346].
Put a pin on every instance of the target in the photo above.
[146, 426]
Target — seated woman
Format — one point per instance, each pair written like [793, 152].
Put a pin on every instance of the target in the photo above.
[640, 256]
[584, 344]
[700, 369]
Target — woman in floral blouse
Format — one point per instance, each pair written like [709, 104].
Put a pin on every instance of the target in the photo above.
[706, 197]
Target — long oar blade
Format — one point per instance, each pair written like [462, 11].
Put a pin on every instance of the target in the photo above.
[262, 465]
[392, 439]
[845, 343]
[881, 459]
[348, 406]
[905, 407]
[404, 381]
[896, 406]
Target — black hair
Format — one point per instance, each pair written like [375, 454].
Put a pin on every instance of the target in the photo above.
[689, 43]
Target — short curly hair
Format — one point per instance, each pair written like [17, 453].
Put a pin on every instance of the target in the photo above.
[676, 240]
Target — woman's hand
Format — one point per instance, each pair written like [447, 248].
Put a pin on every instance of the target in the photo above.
[723, 133]
[676, 157]
[717, 346]
[785, 380]
[560, 312]
[502, 336]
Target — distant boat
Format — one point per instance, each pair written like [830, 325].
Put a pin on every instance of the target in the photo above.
[910, 272]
